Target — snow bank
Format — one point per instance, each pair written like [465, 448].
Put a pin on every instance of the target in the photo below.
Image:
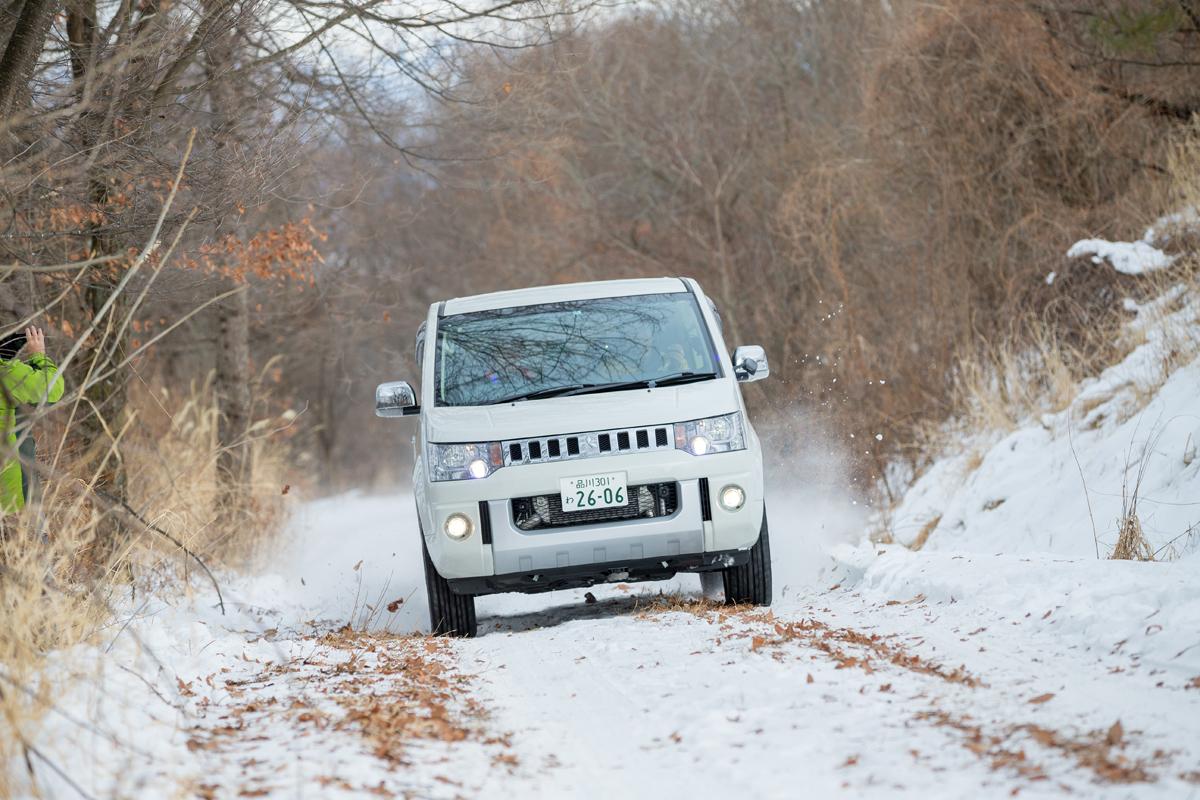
[1059, 484]
[1149, 611]
[122, 712]
[119, 722]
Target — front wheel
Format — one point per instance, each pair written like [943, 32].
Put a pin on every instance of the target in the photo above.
[751, 582]
[450, 614]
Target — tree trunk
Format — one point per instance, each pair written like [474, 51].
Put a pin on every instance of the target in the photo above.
[233, 399]
[24, 25]
[233, 334]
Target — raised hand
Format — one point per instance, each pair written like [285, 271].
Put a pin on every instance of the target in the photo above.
[35, 340]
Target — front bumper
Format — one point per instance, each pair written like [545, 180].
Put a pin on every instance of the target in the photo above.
[585, 575]
[511, 551]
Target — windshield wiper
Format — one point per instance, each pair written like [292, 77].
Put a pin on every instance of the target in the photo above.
[553, 391]
[673, 379]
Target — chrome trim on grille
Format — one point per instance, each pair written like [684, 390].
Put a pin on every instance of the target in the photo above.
[573, 446]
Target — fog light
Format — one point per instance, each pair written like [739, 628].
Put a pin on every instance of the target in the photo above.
[699, 445]
[478, 468]
[732, 498]
[458, 526]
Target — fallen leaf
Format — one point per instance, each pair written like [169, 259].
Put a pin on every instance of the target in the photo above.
[1115, 734]
[809, 679]
[359, 564]
[1042, 698]
[287, 487]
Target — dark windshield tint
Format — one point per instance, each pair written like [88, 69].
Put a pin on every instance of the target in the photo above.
[488, 356]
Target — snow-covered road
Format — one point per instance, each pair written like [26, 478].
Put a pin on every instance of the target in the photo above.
[878, 672]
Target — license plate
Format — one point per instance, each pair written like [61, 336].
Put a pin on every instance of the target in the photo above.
[604, 490]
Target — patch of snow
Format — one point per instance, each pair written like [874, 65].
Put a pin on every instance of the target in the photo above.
[1128, 258]
[1142, 256]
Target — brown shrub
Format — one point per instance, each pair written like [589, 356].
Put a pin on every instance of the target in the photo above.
[984, 153]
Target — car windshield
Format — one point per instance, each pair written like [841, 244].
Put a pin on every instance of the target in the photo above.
[571, 347]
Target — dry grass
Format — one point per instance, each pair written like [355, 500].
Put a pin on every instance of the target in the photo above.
[1132, 544]
[926, 530]
[56, 590]
[1002, 385]
[176, 474]
[1183, 165]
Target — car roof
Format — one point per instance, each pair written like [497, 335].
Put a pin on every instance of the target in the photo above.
[561, 293]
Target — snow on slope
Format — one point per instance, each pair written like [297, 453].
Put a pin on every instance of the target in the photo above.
[1058, 484]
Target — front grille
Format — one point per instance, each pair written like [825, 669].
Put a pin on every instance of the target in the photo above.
[544, 511]
[541, 449]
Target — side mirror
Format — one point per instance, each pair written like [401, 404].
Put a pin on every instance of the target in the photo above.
[750, 364]
[396, 399]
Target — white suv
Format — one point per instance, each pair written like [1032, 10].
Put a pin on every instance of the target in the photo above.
[582, 434]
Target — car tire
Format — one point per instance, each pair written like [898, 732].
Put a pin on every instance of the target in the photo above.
[450, 614]
[751, 582]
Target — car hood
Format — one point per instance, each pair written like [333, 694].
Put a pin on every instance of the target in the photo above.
[588, 412]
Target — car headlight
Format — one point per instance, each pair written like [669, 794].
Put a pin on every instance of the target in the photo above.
[711, 435]
[460, 462]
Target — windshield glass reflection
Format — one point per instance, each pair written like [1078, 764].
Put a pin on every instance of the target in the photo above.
[491, 356]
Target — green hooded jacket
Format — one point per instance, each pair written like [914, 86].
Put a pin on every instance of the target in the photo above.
[21, 382]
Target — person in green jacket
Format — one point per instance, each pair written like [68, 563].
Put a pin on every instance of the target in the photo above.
[30, 382]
